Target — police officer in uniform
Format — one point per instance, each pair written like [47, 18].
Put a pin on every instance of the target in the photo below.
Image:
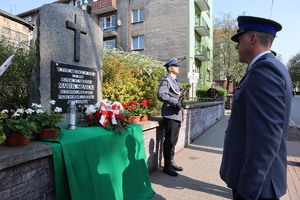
[254, 159]
[169, 92]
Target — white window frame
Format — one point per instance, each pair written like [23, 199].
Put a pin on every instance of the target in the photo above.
[79, 3]
[112, 22]
[140, 39]
[140, 15]
[105, 45]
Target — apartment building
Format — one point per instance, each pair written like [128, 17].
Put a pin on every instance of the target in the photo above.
[162, 29]
[14, 28]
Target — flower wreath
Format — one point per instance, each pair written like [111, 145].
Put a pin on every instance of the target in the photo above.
[111, 116]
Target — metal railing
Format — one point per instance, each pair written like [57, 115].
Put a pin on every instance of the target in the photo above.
[202, 50]
[201, 22]
[103, 3]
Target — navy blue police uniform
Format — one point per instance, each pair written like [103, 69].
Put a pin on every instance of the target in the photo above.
[254, 156]
[169, 92]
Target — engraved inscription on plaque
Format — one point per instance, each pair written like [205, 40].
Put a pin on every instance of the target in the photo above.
[73, 82]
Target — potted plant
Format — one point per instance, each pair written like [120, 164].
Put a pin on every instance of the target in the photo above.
[134, 109]
[47, 122]
[146, 109]
[17, 126]
[139, 111]
[2, 135]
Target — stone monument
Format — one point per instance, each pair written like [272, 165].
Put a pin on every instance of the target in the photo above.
[69, 57]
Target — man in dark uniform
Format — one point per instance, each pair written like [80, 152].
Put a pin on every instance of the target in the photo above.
[212, 92]
[254, 157]
[169, 92]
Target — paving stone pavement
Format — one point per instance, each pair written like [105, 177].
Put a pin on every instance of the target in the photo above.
[201, 161]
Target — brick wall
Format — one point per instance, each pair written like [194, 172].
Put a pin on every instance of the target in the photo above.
[30, 180]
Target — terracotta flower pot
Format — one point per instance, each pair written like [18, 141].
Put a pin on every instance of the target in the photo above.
[48, 133]
[144, 118]
[16, 140]
[135, 119]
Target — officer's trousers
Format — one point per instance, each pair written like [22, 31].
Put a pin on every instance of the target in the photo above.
[172, 128]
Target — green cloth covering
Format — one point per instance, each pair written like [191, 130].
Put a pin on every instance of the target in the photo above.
[95, 163]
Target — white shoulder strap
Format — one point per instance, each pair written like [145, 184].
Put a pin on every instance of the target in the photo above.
[173, 87]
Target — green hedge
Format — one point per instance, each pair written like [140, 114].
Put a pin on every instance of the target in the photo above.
[202, 92]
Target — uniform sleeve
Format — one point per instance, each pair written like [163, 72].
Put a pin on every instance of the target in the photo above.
[164, 94]
[265, 108]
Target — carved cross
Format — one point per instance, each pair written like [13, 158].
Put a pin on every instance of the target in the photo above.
[78, 30]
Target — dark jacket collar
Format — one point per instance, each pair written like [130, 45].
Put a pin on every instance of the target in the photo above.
[264, 57]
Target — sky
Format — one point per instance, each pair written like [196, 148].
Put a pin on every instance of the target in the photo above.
[286, 12]
[19, 6]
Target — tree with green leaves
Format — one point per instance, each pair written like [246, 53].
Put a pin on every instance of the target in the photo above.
[294, 69]
[226, 59]
[14, 82]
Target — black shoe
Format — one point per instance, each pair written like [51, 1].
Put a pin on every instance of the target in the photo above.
[169, 170]
[175, 167]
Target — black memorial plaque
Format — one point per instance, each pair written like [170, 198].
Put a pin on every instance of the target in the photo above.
[73, 82]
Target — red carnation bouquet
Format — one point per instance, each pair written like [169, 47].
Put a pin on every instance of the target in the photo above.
[135, 108]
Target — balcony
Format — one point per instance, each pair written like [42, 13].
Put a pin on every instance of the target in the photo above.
[202, 53]
[109, 32]
[104, 6]
[202, 4]
[201, 27]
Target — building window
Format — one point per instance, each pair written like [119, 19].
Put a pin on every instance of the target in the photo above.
[198, 47]
[197, 20]
[108, 22]
[79, 3]
[221, 84]
[137, 42]
[29, 18]
[207, 75]
[109, 44]
[138, 15]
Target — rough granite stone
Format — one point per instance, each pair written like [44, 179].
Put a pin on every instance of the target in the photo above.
[56, 42]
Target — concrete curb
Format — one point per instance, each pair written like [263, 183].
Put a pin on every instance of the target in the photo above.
[293, 133]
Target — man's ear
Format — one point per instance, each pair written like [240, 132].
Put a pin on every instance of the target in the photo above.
[253, 38]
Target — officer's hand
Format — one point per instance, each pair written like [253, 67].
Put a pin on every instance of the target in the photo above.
[178, 106]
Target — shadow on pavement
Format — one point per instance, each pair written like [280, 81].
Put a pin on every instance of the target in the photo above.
[181, 182]
[205, 149]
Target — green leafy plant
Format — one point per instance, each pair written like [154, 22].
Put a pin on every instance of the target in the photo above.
[131, 75]
[134, 108]
[46, 119]
[20, 126]
[17, 122]
[139, 109]
[2, 135]
[14, 82]
[202, 93]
